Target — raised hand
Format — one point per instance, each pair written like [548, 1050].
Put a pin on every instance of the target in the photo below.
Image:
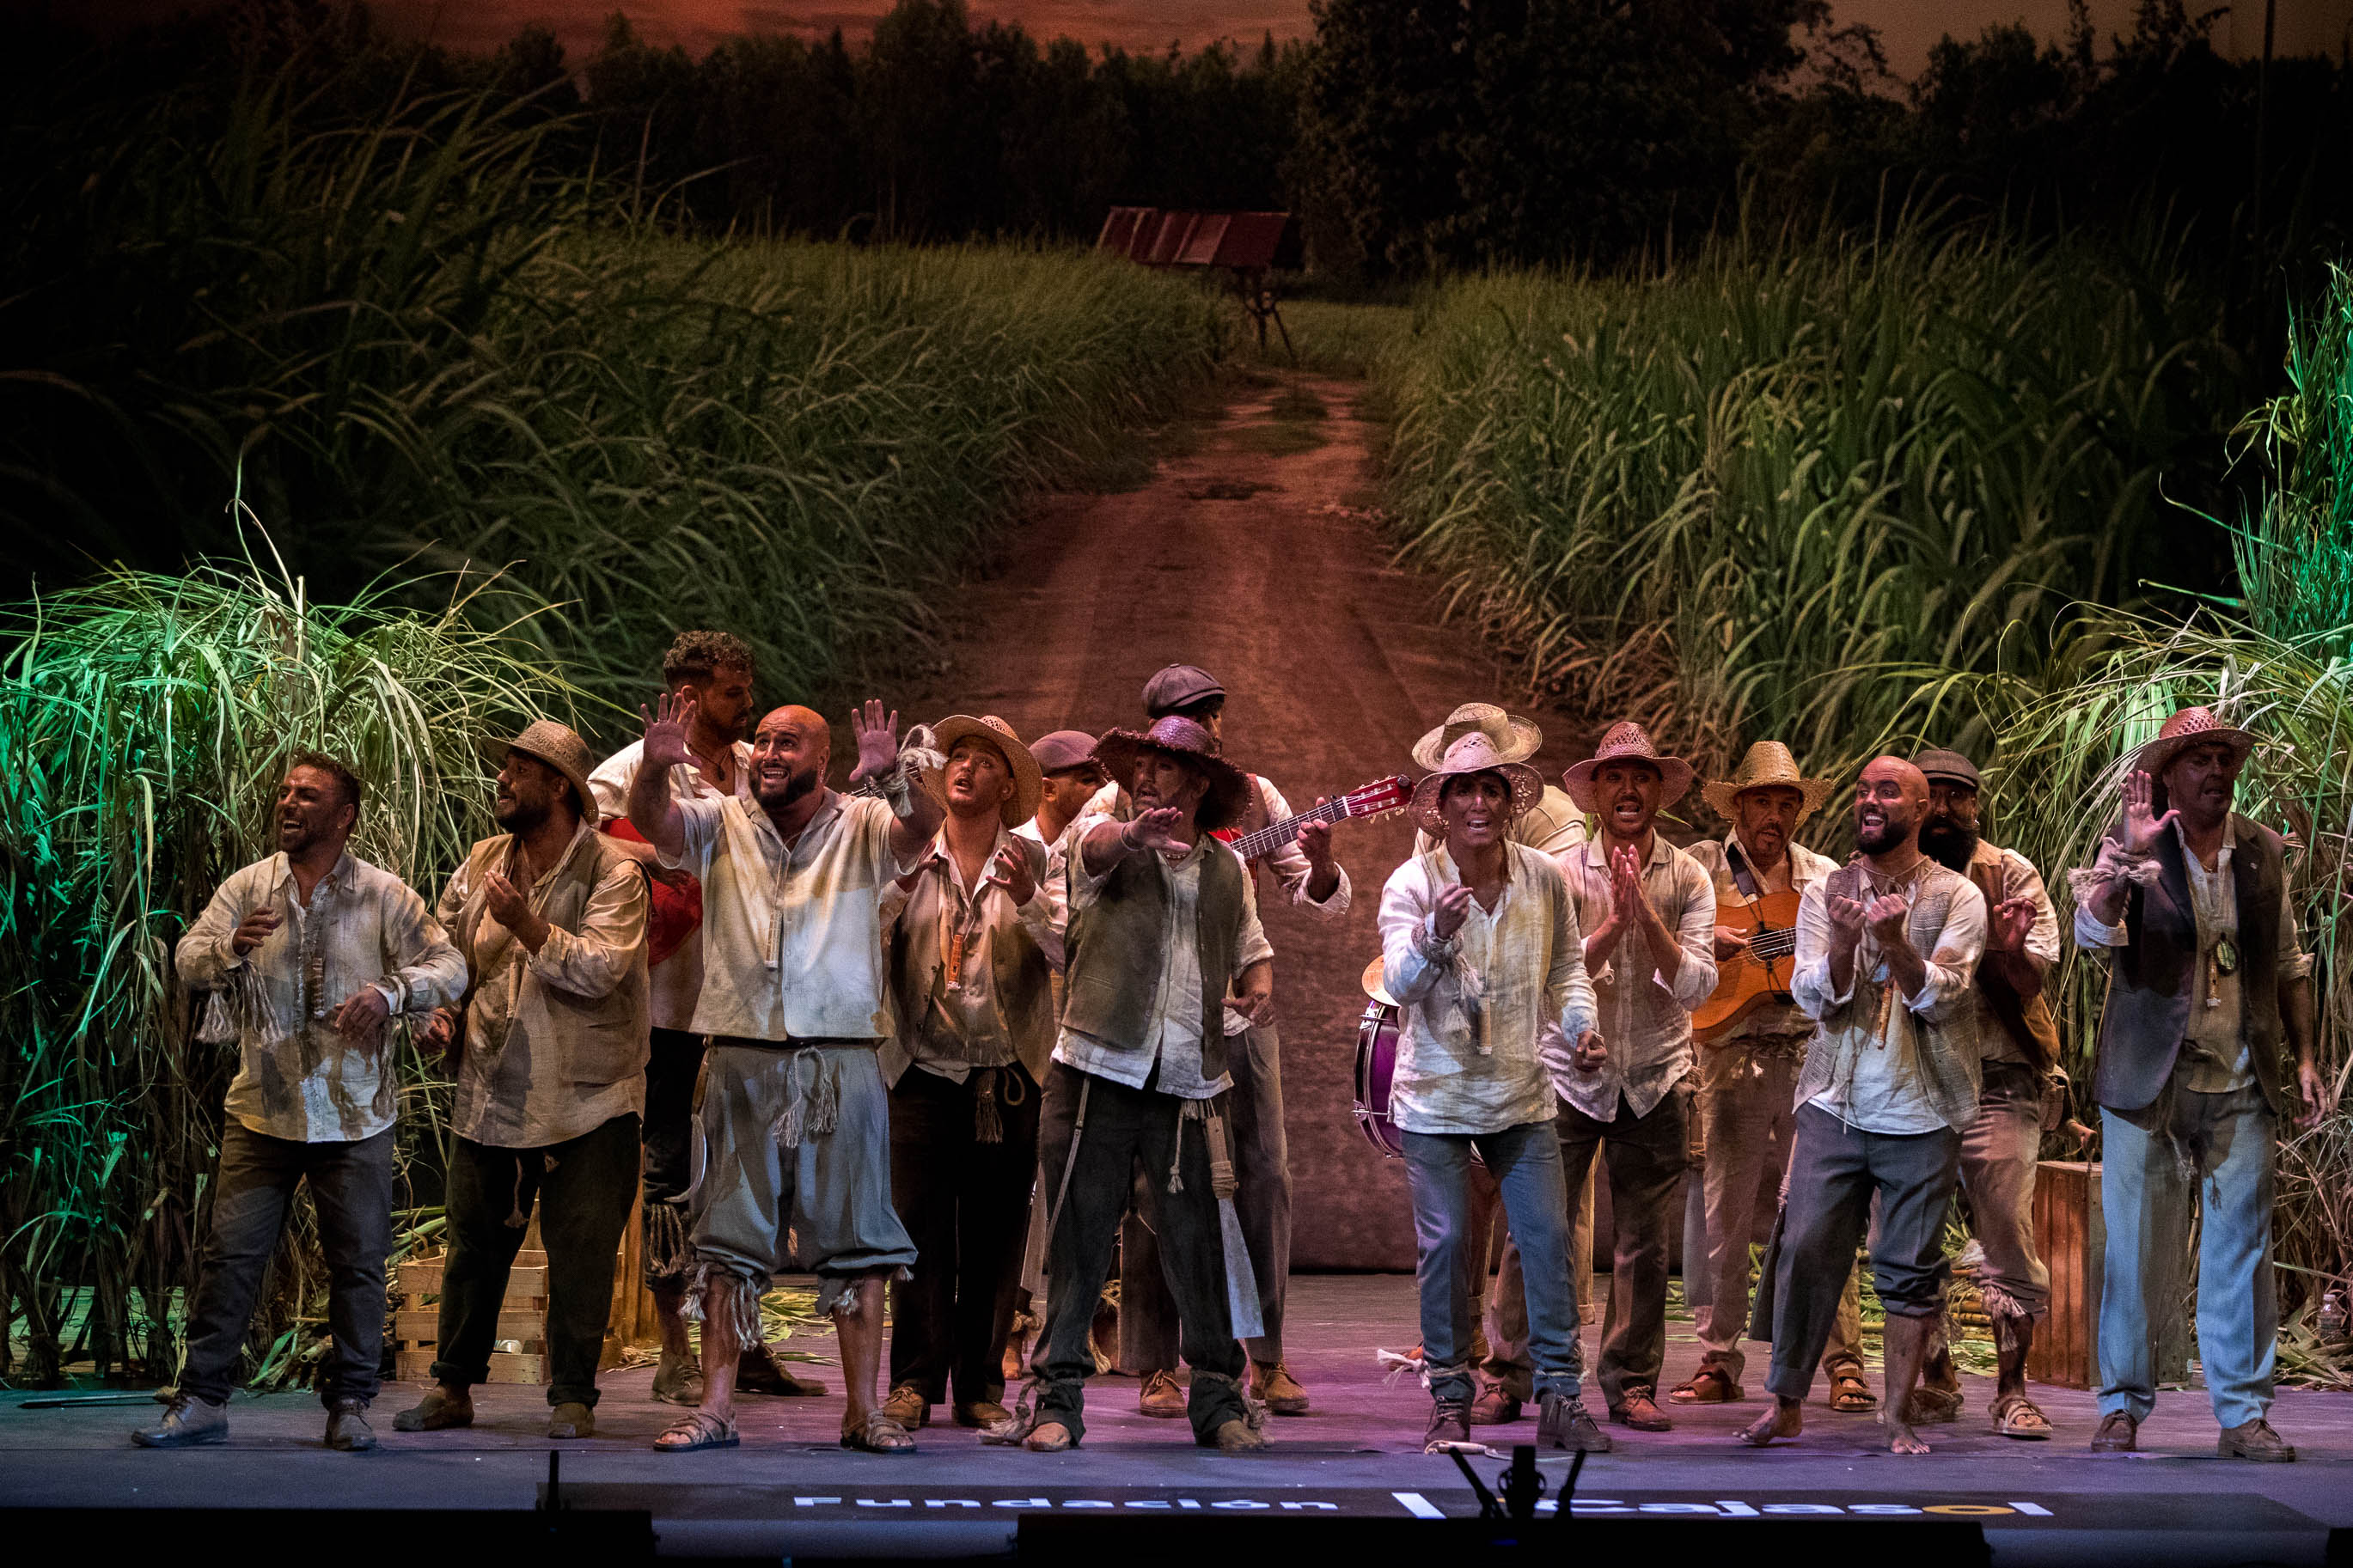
[1156, 830]
[1010, 871]
[1846, 923]
[878, 740]
[2007, 927]
[1453, 907]
[1626, 896]
[667, 726]
[1591, 1052]
[360, 1015]
[1885, 916]
[2142, 824]
[253, 930]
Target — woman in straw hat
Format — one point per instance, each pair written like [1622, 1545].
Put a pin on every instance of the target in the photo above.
[1481, 948]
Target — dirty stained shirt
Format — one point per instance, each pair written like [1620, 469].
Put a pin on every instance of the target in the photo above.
[674, 984]
[1645, 1007]
[297, 1077]
[963, 1022]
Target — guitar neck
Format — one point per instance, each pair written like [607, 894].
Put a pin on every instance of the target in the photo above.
[1267, 840]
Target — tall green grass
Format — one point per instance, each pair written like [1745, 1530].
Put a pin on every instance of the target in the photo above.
[1725, 501]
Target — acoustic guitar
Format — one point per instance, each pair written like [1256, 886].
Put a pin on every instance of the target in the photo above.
[1758, 975]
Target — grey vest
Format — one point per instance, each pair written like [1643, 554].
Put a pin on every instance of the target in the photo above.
[1116, 950]
[2151, 978]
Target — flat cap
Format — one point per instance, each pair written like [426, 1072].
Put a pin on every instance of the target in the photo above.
[1059, 751]
[1179, 686]
[1948, 768]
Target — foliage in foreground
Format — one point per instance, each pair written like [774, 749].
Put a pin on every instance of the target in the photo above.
[144, 723]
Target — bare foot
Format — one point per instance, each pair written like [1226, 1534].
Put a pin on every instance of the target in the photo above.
[1901, 1440]
[1786, 1419]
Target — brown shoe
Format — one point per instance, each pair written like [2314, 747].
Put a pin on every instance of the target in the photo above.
[438, 1411]
[678, 1379]
[1641, 1412]
[2255, 1440]
[1239, 1437]
[982, 1413]
[347, 1426]
[572, 1419]
[1272, 1384]
[757, 1370]
[1162, 1396]
[908, 1406]
[1495, 1406]
[2118, 1433]
[1450, 1421]
[1563, 1423]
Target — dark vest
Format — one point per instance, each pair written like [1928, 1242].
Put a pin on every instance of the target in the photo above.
[2151, 978]
[1115, 948]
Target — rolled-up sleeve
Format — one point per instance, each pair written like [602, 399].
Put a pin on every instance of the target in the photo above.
[1568, 990]
[1410, 959]
[1290, 864]
[698, 829]
[426, 971]
[589, 962]
[204, 957]
[2022, 881]
[2295, 963]
[1952, 964]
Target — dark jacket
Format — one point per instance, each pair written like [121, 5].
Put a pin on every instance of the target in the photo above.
[1116, 950]
[2151, 978]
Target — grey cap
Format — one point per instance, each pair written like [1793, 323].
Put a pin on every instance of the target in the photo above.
[1948, 768]
[1060, 750]
[1179, 686]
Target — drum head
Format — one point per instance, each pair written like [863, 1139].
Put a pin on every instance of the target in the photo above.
[1371, 981]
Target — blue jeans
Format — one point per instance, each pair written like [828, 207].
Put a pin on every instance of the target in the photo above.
[1525, 1162]
[2145, 1199]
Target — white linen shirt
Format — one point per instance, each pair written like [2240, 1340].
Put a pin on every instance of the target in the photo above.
[792, 939]
[671, 985]
[1645, 1012]
[1176, 1005]
[1487, 1018]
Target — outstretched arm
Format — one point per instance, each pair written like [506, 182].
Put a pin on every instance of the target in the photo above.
[653, 811]
[915, 814]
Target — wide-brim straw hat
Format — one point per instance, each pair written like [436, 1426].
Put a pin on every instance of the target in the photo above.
[2187, 727]
[1515, 739]
[1179, 737]
[1475, 753]
[560, 748]
[1029, 779]
[1767, 764]
[1627, 742]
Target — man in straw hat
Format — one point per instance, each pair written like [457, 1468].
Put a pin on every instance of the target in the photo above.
[1163, 941]
[1648, 912]
[795, 1115]
[1887, 950]
[1480, 947]
[551, 1059]
[2206, 1042]
[308, 954]
[1307, 875]
[1748, 1074]
[972, 949]
[2018, 1042]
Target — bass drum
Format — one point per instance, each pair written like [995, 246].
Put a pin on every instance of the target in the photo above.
[1376, 1054]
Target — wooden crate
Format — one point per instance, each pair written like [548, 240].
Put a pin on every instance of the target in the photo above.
[2072, 1234]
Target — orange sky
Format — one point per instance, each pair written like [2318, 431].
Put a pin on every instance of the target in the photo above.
[1908, 26]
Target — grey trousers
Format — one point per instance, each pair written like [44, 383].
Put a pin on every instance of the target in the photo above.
[1834, 1169]
[1148, 1330]
[2000, 1153]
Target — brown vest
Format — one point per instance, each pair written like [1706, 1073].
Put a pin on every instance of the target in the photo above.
[2028, 1019]
[1115, 948]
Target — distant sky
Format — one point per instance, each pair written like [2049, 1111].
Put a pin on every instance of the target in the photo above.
[1908, 26]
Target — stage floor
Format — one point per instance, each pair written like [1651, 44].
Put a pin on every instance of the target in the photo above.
[790, 1490]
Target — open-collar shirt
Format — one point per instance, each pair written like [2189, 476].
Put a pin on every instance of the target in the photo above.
[1773, 1020]
[963, 1022]
[297, 1077]
[1644, 1006]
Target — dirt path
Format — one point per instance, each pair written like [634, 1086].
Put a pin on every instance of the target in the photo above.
[1248, 553]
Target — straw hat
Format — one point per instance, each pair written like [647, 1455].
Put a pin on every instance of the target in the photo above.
[1028, 780]
[1515, 739]
[2187, 727]
[1767, 763]
[1627, 742]
[1179, 737]
[1473, 754]
[545, 740]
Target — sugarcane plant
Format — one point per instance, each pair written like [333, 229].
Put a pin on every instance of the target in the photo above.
[144, 723]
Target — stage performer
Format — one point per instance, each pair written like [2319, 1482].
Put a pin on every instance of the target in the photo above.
[1887, 949]
[1480, 947]
[2018, 1044]
[972, 949]
[1163, 940]
[1311, 879]
[2205, 1044]
[309, 953]
[1749, 1076]
[1648, 912]
[717, 668]
[1070, 778]
[794, 1116]
[551, 1066]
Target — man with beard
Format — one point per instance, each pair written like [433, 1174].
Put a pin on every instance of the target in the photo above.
[972, 951]
[1749, 1075]
[2206, 1042]
[1163, 941]
[551, 1048]
[1648, 912]
[795, 1115]
[1887, 950]
[1306, 874]
[717, 670]
[1480, 947]
[2018, 1040]
[310, 951]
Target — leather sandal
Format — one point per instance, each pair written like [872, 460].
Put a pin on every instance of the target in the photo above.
[2018, 1417]
[697, 1429]
[1711, 1384]
[1851, 1393]
[880, 1435]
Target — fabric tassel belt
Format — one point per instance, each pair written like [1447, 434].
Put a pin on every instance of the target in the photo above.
[990, 1087]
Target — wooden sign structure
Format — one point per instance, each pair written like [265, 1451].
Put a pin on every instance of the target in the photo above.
[519, 1348]
[1249, 245]
[2073, 1236]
